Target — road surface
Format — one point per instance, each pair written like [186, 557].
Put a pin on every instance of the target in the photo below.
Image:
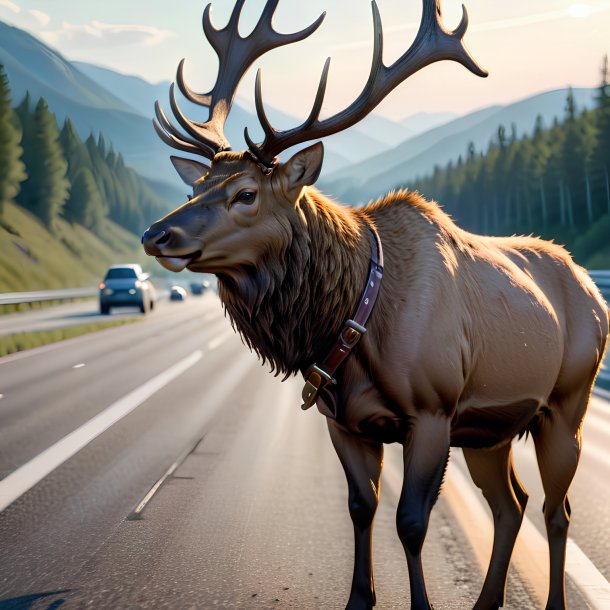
[158, 465]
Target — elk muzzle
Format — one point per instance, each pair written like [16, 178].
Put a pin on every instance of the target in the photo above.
[170, 246]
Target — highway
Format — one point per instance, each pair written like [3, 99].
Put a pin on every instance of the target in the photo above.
[159, 465]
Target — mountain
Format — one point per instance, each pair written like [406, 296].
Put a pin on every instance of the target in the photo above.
[425, 121]
[371, 137]
[418, 155]
[136, 93]
[33, 66]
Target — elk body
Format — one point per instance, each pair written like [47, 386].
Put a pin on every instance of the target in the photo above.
[472, 341]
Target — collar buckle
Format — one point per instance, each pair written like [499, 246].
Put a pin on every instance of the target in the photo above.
[316, 379]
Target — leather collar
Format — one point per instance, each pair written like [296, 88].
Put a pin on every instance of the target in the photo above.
[318, 376]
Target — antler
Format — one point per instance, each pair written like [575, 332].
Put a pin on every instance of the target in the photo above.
[235, 54]
[432, 43]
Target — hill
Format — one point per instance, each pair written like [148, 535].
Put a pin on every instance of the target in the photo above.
[418, 156]
[31, 258]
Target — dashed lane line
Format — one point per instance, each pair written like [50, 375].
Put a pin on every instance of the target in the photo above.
[24, 478]
[219, 340]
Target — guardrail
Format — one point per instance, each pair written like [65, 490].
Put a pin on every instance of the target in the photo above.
[601, 278]
[17, 298]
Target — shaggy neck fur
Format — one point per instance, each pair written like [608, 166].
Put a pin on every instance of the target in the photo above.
[290, 308]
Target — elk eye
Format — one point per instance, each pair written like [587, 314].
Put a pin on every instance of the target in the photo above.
[246, 197]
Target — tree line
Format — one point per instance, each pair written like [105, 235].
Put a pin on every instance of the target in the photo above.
[554, 182]
[53, 173]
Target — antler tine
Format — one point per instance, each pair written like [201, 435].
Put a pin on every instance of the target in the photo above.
[172, 131]
[270, 133]
[176, 143]
[432, 43]
[264, 28]
[197, 130]
[197, 98]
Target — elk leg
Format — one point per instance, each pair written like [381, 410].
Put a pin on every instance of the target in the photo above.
[493, 473]
[426, 451]
[362, 462]
[558, 450]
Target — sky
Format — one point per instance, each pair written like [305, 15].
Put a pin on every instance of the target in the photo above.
[527, 46]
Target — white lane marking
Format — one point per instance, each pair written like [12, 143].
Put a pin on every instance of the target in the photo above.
[587, 577]
[25, 477]
[79, 366]
[530, 556]
[219, 340]
[531, 550]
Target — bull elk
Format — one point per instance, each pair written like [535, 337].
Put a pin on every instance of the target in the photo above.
[472, 340]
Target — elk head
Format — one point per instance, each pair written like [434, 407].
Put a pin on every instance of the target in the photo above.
[244, 204]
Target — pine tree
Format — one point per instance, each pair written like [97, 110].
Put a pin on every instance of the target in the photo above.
[12, 169]
[602, 152]
[75, 152]
[85, 205]
[46, 189]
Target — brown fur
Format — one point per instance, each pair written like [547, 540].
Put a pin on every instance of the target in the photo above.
[473, 340]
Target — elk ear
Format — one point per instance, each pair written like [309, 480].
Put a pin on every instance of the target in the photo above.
[304, 168]
[190, 171]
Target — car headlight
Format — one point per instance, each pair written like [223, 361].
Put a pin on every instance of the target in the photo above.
[132, 291]
[108, 291]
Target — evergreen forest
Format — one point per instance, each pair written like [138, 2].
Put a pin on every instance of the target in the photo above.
[554, 183]
[51, 172]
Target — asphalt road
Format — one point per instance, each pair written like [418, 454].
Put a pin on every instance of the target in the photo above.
[252, 512]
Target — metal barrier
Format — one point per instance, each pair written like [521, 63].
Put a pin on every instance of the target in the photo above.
[16, 298]
[601, 278]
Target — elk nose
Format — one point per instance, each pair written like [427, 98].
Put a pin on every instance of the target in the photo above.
[153, 240]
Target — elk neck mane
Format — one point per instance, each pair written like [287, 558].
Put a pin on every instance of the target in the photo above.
[290, 308]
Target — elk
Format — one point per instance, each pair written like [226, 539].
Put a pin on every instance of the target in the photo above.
[472, 340]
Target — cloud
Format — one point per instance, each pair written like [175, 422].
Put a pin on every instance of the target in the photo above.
[98, 33]
[11, 6]
[42, 18]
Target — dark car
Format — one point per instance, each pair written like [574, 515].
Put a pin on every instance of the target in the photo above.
[198, 288]
[126, 285]
[177, 293]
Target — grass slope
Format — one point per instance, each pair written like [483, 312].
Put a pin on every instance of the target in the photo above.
[32, 258]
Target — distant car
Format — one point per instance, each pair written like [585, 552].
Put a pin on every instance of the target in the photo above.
[126, 285]
[198, 288]
[177, 293]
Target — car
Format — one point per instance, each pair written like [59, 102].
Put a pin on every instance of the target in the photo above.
[125, 285]
[177, 293]
[198, 288]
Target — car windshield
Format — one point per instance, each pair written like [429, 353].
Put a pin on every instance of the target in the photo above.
[121, 274]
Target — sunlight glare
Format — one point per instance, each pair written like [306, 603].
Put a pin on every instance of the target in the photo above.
[580, 10]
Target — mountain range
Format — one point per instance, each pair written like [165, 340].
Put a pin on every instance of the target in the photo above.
[360, 163]
[418, 155]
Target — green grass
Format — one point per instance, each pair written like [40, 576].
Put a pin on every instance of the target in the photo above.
[34, 258]
[19, 342]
